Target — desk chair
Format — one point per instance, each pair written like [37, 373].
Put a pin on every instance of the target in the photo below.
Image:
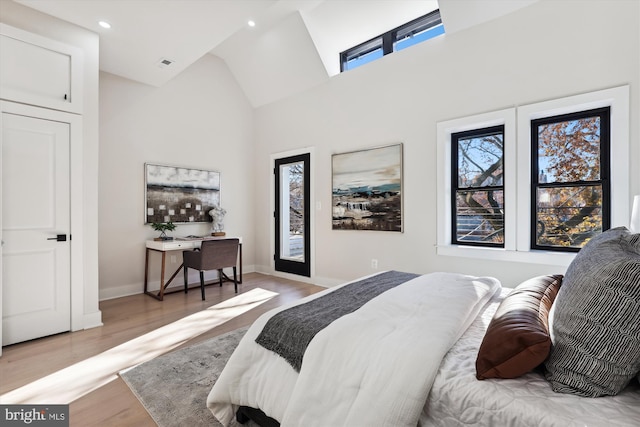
[213, 255]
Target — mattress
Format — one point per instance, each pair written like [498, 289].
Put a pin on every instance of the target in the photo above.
[459, 399]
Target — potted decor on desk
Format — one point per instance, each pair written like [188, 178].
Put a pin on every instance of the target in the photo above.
[163, 227]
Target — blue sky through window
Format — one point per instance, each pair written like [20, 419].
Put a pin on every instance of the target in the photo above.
[409, 34]
[364, 59]
[419, 38]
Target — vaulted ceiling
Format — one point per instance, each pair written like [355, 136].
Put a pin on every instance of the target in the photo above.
[294, 45]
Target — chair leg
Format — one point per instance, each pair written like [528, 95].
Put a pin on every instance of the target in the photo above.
[220, 276]
[202, 283]
[186, 284]
[235, 279]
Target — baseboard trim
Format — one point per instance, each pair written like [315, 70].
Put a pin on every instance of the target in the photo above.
[92, 320]
[138, 288]
[325, 282]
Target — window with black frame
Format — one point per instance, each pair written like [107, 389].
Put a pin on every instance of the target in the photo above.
[478, 187]
[570, 195]
[416, 31]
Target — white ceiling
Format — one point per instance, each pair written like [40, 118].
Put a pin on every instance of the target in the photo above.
[294, 45]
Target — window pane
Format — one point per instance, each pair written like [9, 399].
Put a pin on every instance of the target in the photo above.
[480, 160]
[408, 34]
[418, 37]
[480, 216]
[569, 151]
[357, 61]
[292, 211]
[568, 216]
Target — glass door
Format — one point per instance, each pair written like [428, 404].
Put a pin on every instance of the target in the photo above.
[292, 215]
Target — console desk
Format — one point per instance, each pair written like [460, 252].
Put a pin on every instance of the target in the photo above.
[164, 246]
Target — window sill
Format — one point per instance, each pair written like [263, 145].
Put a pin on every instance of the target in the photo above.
[499, 254]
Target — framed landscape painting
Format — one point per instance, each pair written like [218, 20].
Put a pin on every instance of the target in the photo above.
[179, 194]
[367, 189]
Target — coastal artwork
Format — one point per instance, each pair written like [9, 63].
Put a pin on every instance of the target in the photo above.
[175, 194]
[367, 189]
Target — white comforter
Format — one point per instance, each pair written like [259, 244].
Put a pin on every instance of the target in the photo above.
[458, 399]
[372, 367]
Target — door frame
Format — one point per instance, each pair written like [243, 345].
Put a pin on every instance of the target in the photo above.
[75, 204]
[312, 215]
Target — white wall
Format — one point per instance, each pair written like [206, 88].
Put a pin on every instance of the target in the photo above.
[38, 23]
[200, 119]
[544, 51]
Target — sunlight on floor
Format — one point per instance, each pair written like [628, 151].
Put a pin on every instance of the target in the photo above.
[73, 382]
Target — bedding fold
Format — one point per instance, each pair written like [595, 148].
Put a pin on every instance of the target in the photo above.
[289, 332]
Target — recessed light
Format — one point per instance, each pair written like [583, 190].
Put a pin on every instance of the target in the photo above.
[251, 23]
[104, 24]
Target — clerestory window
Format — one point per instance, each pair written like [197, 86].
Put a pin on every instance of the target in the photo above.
[419, 30]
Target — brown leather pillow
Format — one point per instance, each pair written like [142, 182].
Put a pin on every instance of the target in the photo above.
[517, 339]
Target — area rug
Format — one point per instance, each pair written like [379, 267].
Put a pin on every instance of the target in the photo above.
[173, 387]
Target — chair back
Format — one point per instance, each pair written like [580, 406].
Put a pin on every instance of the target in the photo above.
[217, 254]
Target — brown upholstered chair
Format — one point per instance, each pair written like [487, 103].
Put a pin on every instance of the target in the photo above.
[213, 255]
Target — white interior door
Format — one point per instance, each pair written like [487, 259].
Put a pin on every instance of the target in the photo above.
[36, 291]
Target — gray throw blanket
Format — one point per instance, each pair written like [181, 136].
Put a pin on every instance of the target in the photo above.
[289, 332]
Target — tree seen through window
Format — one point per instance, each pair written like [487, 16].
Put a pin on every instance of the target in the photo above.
[570, 171]
[478, 187]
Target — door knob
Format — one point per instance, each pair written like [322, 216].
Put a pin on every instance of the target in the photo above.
[59, 238]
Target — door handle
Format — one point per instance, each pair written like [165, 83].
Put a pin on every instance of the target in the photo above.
[59, 238]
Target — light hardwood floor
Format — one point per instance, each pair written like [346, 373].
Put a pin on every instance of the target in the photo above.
[124, 319]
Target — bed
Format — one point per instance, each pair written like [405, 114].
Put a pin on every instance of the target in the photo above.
[448, 349]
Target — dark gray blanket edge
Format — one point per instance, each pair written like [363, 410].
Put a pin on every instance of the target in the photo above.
[289, 332]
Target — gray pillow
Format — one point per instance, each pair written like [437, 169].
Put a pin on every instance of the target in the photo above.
[596, 324]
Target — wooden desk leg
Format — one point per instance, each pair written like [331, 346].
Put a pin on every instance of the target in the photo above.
[173, 276]
[146, 276]
[146, 271]
[240, 281]
[161, 293]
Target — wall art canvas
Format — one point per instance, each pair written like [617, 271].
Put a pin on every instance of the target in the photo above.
[180, 194]
[367, 189]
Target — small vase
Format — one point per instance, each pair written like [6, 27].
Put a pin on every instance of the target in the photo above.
[163, 236]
